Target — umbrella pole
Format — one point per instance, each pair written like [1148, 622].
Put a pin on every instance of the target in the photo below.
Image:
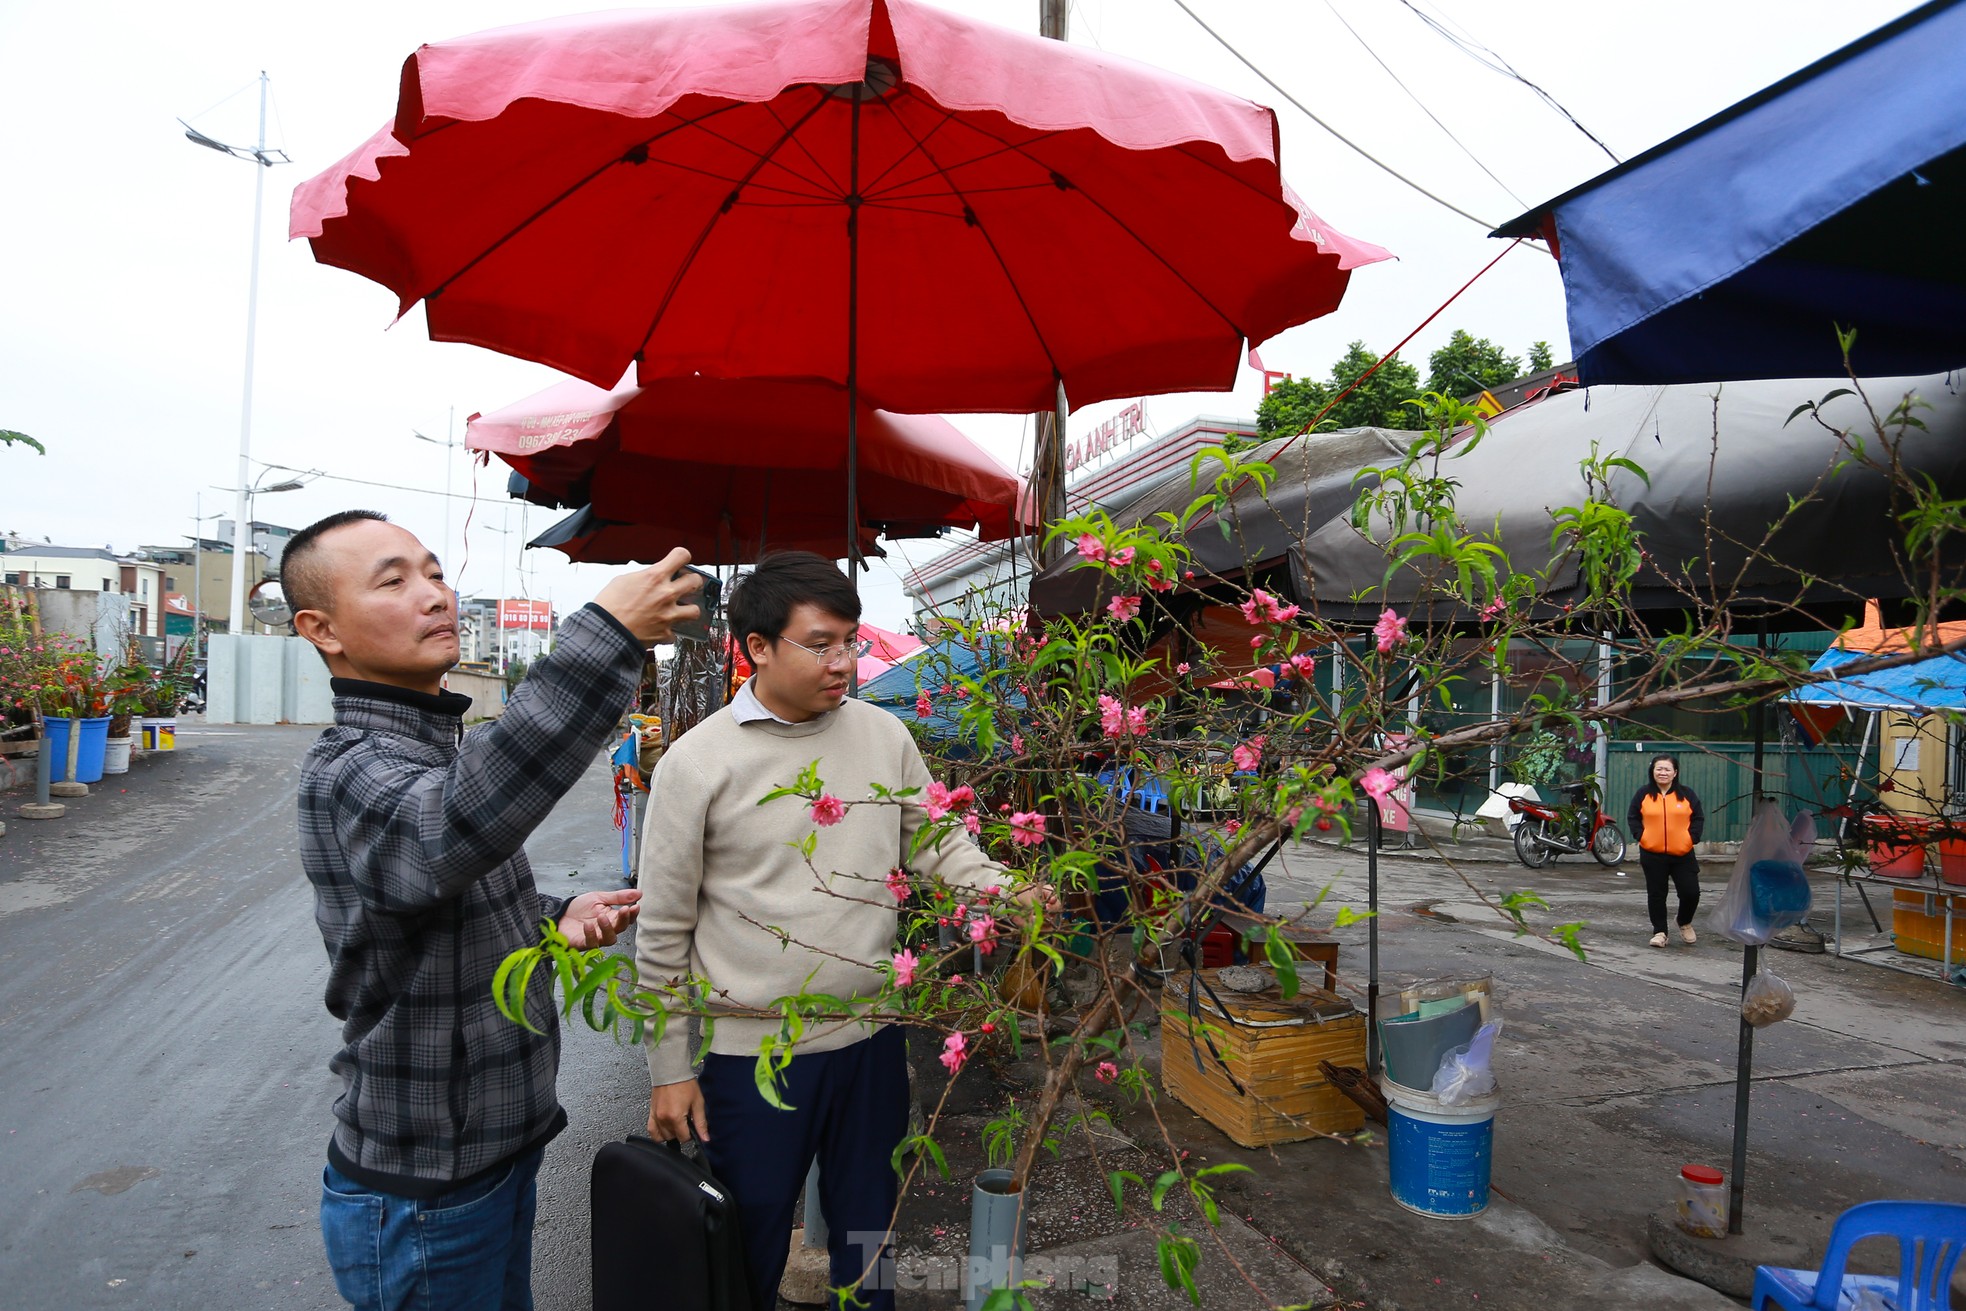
[853, 350]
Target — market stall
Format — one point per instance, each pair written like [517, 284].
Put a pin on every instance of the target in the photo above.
[1908, 834]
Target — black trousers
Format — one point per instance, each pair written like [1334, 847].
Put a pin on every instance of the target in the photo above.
[849, 1108]
[1684, 871]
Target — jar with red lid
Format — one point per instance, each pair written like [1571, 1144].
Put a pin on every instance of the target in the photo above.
[1702, 1201]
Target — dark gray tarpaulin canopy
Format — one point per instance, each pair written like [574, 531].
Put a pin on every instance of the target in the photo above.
[1313, 482]
[1723, 460]
[1732, 442]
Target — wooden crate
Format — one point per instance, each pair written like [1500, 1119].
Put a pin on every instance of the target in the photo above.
[1274, 1055]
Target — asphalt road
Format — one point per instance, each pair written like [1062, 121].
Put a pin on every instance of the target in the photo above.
[164, 1091]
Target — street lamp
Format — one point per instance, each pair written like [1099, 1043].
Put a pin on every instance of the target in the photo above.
[448, 443]
[243, 543]
[198, 518]
[266, 159]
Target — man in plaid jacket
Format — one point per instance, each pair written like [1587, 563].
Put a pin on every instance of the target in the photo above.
[413, 835]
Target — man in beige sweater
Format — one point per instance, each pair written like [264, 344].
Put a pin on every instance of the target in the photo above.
[727, 897]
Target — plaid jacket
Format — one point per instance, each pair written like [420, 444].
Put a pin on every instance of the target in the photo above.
[413, 836]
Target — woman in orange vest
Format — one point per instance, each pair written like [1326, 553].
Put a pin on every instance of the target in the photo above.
[1666, 816]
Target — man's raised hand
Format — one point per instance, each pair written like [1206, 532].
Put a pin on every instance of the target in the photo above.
[651, 602]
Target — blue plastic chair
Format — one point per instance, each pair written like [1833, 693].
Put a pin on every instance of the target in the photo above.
[1930, 1236]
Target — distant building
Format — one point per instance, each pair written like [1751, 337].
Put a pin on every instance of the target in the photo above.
[203, 570]
[525, 633]
[98, 569]
[984, 577]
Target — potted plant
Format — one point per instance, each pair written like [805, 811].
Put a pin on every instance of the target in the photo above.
[74, 701]
[127, 689]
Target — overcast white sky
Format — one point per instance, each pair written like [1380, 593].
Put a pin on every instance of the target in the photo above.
[124, 248]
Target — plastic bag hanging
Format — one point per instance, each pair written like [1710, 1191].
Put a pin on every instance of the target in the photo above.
[1766, 1000]
[1768, 890]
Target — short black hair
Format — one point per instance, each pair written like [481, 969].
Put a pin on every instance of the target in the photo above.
[762, 601]
[301, 578]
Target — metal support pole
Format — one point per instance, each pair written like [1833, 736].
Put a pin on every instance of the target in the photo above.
[1372, 1053]
[816, 1232]
[242, 532]
[1743, 1082]
[1750, 960]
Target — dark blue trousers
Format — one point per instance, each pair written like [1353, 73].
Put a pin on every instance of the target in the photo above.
[850, 1109]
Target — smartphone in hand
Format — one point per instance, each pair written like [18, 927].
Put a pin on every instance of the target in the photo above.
[709, 602]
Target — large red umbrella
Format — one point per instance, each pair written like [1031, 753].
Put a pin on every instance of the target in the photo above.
[724, 467]
[945, 213]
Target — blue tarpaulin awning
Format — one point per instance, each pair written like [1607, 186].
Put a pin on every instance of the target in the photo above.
[1734, 250]
[1917, 688]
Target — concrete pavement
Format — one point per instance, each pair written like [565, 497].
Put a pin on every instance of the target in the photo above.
[164, 1093]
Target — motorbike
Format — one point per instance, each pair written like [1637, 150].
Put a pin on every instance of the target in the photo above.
[1544, 831]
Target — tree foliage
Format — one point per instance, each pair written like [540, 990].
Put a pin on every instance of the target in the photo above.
[8, 437]
[1468, 364]
[1465, 365]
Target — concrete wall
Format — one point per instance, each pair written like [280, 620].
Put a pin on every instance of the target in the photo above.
[98, 620]
[266, 680]
[487, 693]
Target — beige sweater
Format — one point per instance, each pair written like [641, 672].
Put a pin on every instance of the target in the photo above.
[717, 867]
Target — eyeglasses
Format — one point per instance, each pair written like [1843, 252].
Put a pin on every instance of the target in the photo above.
[828, 655]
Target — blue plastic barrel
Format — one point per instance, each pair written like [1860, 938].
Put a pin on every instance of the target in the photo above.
[1439, 1154]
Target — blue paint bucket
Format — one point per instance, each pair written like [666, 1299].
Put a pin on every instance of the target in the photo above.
[1439, 1154]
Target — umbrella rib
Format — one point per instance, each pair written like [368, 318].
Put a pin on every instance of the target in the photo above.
[874, 183]
[817, 163]
[1063, 182]
[554, 203]
[971, 218]
[683, 267]
[750, 184]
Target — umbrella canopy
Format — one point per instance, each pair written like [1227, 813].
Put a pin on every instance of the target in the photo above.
[952, 215]
[724, 466]
[884, 651]
[1721, 471]
[1829, 199]
[584, 537]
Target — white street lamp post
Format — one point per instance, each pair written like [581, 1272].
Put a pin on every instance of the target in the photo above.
[266, 159]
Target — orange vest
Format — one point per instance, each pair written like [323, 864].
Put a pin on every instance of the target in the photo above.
[1668, 823]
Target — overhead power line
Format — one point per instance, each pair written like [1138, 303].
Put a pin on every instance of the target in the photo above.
[1411, 95]
[1361, 151]
[1493, 62]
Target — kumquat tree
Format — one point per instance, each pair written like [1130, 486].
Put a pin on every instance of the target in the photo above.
[1251, 661]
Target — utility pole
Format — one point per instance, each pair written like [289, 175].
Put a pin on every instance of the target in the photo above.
[1048, 470]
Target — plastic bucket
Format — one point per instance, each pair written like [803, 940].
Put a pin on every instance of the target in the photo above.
[160, 734]
[1439, 1154]
[116, 755]
[93, 736]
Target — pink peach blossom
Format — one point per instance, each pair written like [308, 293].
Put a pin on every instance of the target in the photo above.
[897, 883]
[954, 1052]
[1106, 1072]
[828, 810]
[1377, 782]
[1123, 608]
[904, 968]
[1091, 548]
[1027, 828]
[1389, 632]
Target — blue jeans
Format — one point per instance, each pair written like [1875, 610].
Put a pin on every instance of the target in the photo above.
[466, 1250]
